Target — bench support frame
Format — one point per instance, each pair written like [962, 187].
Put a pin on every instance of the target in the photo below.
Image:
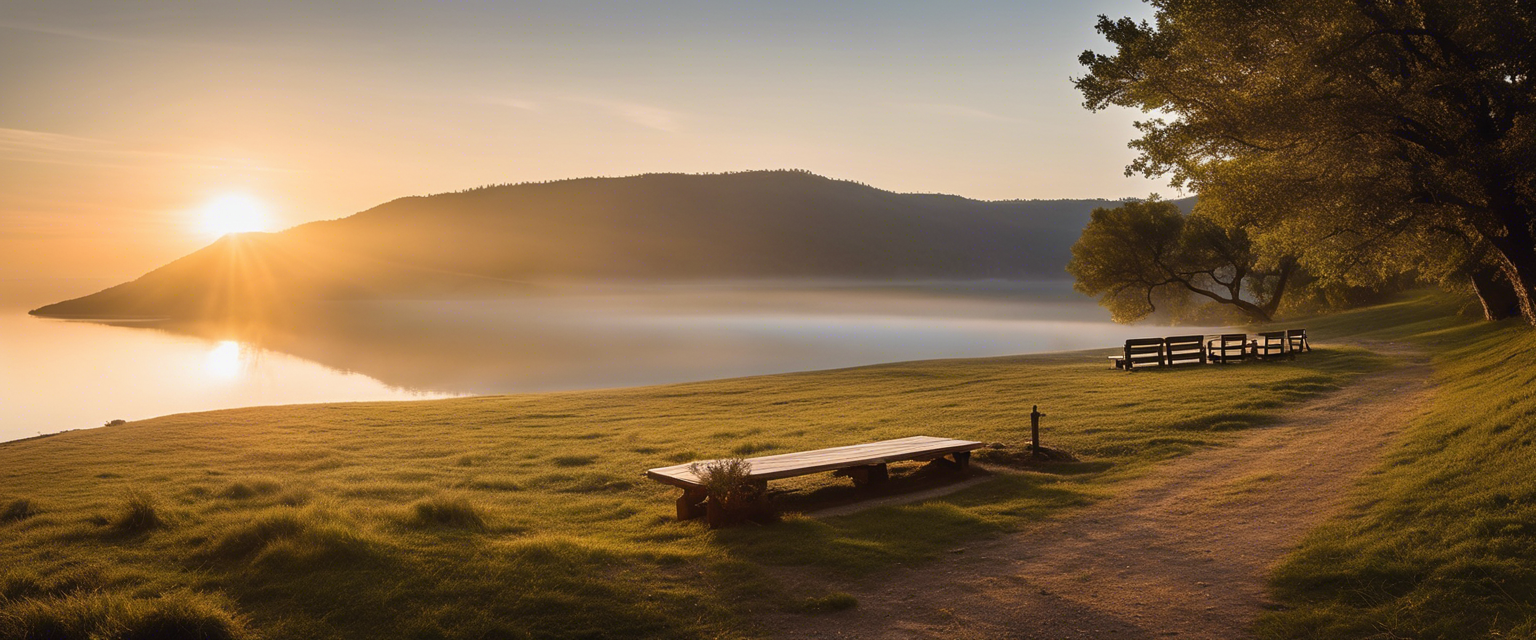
[867, 476]
[691, 504]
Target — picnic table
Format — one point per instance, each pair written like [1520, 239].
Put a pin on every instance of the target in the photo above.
[864, 463]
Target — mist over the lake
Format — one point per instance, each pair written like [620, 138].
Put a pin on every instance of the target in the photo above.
[557, 337]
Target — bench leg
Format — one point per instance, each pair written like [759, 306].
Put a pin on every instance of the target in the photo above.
[962, 460]
[691, 504]
[866, 476]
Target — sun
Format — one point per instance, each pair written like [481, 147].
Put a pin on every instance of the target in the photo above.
[233, 213]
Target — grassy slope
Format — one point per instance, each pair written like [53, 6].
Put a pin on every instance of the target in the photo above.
[359, 520]
[1441, 539]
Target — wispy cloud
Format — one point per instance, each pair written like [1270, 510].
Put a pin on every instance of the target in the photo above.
[645, 115]
[955, 111]
[23, 145]
[636, 113]
[43, 141]
[515, 103]
[96, 35]
[63, 33]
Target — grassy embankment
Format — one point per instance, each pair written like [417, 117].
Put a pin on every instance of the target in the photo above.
[1440, 540]
[526, 516]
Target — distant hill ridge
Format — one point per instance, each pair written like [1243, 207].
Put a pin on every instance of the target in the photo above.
[758, 224]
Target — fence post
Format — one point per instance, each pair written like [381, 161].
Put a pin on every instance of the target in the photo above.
[1034, 429]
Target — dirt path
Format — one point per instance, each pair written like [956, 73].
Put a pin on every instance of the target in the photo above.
[1184, 552]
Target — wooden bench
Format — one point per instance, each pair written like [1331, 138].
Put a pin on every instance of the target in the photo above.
[1139, 352]
[1183, 350]
[1272, 344]
[864, 463]
[1296, 340]
[1228, 347]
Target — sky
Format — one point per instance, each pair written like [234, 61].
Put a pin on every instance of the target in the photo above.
[121, 122]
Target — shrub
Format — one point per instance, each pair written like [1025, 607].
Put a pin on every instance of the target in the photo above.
[722, 478]
[139, 512]
[114, 423]
[18, 509]
[446, 511]
[733, 496]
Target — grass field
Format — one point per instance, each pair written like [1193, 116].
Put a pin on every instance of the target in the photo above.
[1440, 541]
[527, 516]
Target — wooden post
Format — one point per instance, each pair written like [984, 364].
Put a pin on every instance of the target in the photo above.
[690, 506]
[962, 460]
[1034, 429]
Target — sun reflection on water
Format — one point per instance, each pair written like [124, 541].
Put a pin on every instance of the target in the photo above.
[225, 360]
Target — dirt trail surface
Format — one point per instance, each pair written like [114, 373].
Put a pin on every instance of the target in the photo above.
[1181, 553]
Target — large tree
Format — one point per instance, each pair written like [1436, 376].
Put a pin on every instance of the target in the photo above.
[1143, 256]
[1345, 130]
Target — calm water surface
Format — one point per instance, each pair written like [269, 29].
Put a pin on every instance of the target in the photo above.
[57, 375]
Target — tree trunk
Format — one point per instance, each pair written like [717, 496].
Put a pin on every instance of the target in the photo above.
[1522, 280]
[1287, 267]
[1494, 292]
[1517, 260]
[1517, 252]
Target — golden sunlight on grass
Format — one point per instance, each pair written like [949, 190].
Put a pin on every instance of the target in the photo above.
[508, 516]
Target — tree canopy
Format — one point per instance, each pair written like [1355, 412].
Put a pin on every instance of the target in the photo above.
[1365, 137]
[1142, 256]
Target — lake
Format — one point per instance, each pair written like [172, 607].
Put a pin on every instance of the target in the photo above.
[57, 375]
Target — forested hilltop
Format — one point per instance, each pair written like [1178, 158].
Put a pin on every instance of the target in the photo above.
[760, 224]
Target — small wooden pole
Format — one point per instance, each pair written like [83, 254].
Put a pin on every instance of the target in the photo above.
[1034, 429]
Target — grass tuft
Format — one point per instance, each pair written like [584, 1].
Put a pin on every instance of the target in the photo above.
[295, 498]
[19, 509]
[139, 512]
[292, 540]
[749, 448]
[244, 490]
[178, 615]
[574, 460]
[252, 537]
[457, 512]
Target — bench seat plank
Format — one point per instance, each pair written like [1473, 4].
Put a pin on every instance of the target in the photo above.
[788, 465]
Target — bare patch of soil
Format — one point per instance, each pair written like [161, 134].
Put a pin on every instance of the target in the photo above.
[1184, 552]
